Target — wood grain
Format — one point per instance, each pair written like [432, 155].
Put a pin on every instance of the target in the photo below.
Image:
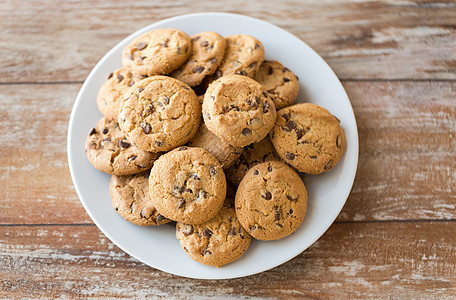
[406, 166]
[394, 260]
[359, 39]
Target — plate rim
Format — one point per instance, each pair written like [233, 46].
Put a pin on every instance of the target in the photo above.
[92, 73]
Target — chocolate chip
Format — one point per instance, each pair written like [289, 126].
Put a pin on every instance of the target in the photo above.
[270, 70]
[246, 131]
[329, 165]
[212, 171]
[93, 131]
[204, 43]
[339, 141]
[141, 45]
[213, 60]
[187, 230]
[198, 69]
[285, 79]
[272, 134]
[280, 225]
[225, 109]
[146, 127]
[187, 190]
[235, 107]
[196, 38]
[182, 148]
[166, 100]
[256, 172]
[266, 107]
[300, 133]
[120, 77]
[270, 168]
[290, 156]
[218, 74]
[253, 65]
[185, 88]
[158, 143]
[139, 90]
[291, 125]
[178, 50]
[117, 209]
[105, 130]
[291, 211]
[131, 83]
[150, 110]
[132, 158]
[205, 251]
[285, 69]
[277, 215]
[110, 75]
[267, 195]
[241, 72]
[194, 176]
[108, 139]
[165, 45]
[207, 232]
[202, 194]
[160, 103]
[313, 157]
[286, 116]
[181, 204]
[291, 198]
[257, 46]
[264, 94]
[124, 144]
[159, 218]
[232, 231]
[130, 56]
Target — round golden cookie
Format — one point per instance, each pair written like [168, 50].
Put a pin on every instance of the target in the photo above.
[187, 185]
[112, 92]
[157, 52]
[271, 201]
[282, 84]
[243, 56]
[130, 198]
[236, 109]
[224, 152]
[110, 151]
[253, 154]
[208, 49]
[308, 137]
[160, 113]
[216, 242]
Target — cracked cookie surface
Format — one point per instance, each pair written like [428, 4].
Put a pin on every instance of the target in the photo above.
[216, 242]
[110, 151]
[281, 84]
[224, 152]
[308, 137]
[252, 155]
[236, 109]
[130, 198]
[112, 92]
[157, 52]
[243, 56]
[208, 49]
[187, 185]
[160, 113]
[271, 201]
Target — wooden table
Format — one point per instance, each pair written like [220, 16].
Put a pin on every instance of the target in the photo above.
[395, 237]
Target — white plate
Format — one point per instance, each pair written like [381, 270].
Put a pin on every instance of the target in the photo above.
[158, 246]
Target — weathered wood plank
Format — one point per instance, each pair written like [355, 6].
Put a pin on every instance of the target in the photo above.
[364, 260]
[62, 41]
[406, 166]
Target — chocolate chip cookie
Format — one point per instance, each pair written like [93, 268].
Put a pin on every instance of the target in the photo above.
[160, 113]
[243, 56]
[224, 152]
[271, 201]
[157, 52]
[236, 109]
[216, 242]
[208, 49]
[281, 84]
[308, 137]
[253, 154]
[110, 151]
[130, 198]
[187, 185]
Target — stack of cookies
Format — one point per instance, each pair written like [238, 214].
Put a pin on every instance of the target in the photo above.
[185, 113]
